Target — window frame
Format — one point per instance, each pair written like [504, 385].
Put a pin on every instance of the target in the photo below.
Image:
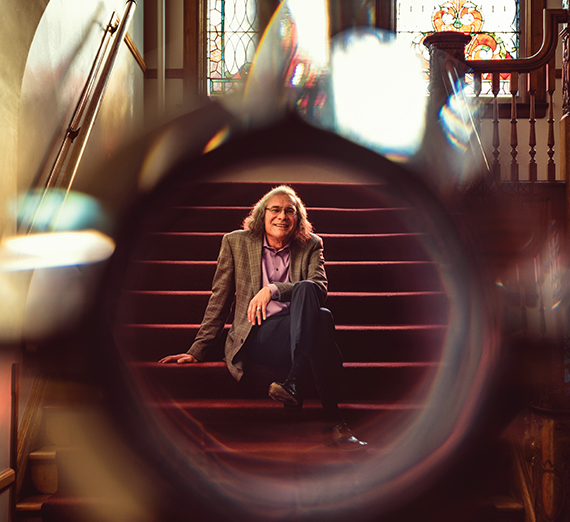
[383, 16]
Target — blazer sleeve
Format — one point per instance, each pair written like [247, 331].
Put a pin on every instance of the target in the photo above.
[219, 304]
[312, 269]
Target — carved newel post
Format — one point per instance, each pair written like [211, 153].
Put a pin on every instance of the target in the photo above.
[446, 58]
[447, 62]
[565, 119]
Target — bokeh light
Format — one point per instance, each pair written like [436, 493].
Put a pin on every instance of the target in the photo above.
[55, 249]
[379, 96]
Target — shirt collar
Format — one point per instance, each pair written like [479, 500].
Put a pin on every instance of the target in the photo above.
[266, 245]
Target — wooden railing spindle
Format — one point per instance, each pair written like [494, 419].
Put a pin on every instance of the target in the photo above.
[532, 167]
[477, 85]
[514, 89]
[551, 87]
[496, 168]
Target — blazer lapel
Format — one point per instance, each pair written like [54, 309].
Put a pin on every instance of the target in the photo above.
[254, 248]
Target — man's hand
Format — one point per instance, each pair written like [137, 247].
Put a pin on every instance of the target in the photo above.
[257, 309]
[181, 358]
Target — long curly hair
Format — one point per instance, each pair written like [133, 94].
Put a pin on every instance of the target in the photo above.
[255, 221]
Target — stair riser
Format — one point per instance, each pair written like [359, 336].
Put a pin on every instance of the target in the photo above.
[153, 343]
[313, 195]
[325, 221]
[198, 247]
[342, 278]
[172, 308]
[270, 424]
[200, 382]
[44, 476]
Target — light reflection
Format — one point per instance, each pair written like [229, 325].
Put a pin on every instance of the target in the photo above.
[458, 116]
[312, 30]
[59, 210]
[56, 249]
[391, 119]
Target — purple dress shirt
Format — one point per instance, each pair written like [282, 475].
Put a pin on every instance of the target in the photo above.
[275, 268]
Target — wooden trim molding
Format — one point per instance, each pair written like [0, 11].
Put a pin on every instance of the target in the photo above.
[30, 426]
[135, 52]
[7, 478]
[171, 74]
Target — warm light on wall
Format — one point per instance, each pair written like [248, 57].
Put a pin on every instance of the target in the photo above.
[55, 249]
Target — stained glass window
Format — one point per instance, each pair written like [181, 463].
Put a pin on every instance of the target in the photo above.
[232, 40]
[493, 25]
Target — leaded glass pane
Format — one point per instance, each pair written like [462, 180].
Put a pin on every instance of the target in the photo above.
[493, 24]
[232, 40]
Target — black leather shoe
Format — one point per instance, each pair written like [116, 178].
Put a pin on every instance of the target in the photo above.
[340, 436]
[286, 393]
[290, 392]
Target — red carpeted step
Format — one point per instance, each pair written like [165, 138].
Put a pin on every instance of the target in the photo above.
[355, 276]
[234, 421]
[365, 381]
[349, 247]
[362, 308]
[388, 343]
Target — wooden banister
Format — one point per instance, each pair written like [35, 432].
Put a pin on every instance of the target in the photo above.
[528, 67]
[550, 21]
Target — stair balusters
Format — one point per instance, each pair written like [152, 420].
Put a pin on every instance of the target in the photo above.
[532, 167]
[514, 137]
[551, 87]
[496, 167]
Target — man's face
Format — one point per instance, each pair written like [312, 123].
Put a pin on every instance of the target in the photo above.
[280, 220]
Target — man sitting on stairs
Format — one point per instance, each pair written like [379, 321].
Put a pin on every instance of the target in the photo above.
[274, 268]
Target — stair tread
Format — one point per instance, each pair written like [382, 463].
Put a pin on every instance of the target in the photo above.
[504, 503]
[304, 452]
[328, 263]
[32, 503]
[324, 235]
[337, 327]
[44, 453]
[222, 364]
[270, 404]
[330, 294]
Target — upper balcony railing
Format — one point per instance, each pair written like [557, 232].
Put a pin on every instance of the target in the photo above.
[447, 55]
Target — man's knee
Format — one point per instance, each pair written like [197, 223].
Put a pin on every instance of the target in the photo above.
[305, 287]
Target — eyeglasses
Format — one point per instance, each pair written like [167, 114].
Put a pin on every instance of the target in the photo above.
[290, 211]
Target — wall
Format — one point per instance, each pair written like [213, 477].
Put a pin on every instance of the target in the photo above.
[173, 59]
[47, 51]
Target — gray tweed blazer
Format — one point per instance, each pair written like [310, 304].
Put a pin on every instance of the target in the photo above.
[238, 279]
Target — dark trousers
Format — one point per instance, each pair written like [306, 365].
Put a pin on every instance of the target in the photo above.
[307, 330]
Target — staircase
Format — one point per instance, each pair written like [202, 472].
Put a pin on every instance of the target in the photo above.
[391, 318]
[384, 292]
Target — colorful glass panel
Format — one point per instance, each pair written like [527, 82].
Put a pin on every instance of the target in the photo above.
[232, 40]
[493, 25]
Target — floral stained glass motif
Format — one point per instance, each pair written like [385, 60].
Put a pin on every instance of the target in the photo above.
[232, 40]
[493, 25]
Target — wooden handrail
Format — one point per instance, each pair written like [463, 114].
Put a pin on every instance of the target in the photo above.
[7, 478]
[551, 18]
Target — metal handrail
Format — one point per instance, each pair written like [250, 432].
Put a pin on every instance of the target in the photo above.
[71, 151]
